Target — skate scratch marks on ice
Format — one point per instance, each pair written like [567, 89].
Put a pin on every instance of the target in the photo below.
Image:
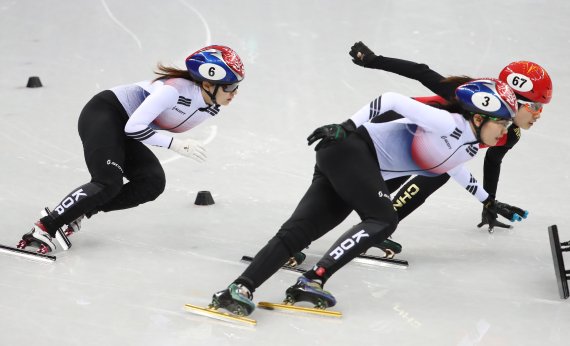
[202, 19]
[121, 25]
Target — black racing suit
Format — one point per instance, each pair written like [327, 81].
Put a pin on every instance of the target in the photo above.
[336, 190]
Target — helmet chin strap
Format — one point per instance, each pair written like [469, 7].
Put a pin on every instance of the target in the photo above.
[212, 95]
[478, 128]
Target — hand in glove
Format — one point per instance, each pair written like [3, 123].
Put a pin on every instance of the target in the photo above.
[492, 208]
[189, 148]
[361, 54]
[330, 134]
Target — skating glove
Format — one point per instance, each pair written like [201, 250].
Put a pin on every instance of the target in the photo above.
[332, 133]
[361, 54]
[492, 208]
[189, 148]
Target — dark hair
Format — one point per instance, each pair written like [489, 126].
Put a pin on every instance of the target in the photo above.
[451, 83]
[165, 72]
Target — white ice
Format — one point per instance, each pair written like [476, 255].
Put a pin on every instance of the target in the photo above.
[129, 273]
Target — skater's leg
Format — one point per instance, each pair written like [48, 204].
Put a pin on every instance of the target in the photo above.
[146, 178]
[395, 183]
[364, 190]
[319, 211]
[101, 128]
[415, 192]
[410, 197]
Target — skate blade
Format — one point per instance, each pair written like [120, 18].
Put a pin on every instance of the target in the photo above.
[27, 254]
[316, 311]
[219, 315]
[381, 261]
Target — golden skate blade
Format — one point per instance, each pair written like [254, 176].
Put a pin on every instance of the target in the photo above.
[219, 315]
[316, 311]
[27, 254]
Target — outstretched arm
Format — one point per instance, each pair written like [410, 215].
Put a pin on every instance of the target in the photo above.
[364, 56]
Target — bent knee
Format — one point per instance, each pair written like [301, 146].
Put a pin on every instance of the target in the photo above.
[109, 188]
[155, 187]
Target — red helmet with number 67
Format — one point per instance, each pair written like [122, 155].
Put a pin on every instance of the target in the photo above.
[528, 80]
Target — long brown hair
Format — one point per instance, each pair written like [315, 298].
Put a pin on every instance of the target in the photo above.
[166, 72]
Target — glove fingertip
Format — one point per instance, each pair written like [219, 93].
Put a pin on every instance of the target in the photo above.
[525, 215]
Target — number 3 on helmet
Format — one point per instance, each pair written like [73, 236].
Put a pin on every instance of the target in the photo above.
[529, 81]
[490, 97]
[215, 64]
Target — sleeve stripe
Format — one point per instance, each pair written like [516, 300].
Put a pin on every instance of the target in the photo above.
[141, 135]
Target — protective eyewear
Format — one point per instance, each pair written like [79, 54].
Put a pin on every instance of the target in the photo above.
[505, 122]
[230, 88]
[533, 107]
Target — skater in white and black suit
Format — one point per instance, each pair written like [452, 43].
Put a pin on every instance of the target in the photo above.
[116, 125]
[408, 137]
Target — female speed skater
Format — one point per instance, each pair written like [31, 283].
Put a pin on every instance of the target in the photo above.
[408, 138]
[533, 88]
[116, 125]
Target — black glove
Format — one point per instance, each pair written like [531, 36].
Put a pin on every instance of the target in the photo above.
[365, 57]
[329, 134]
[492, 208]
[492, 221]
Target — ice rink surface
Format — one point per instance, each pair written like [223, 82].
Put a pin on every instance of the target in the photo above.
[129, 273]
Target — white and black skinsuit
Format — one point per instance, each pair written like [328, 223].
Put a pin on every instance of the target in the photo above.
[114, 127]
[407, 138]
